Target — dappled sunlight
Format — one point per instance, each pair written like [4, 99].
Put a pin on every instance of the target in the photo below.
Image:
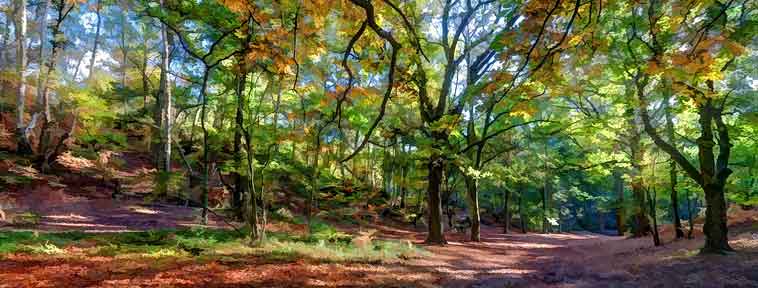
[143, 210]
[529, 245]
[508, 271]
[81, 225]
[69, 217]
[568, 236]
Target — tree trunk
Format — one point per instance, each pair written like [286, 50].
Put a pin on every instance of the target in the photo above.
[24, 146]
[672, 173]
[473, 207]
[618, 184]
[78, 66]
[10, 18]
[521, 212]
[545, 194]
[690, 219]
[206, 160]
[403, 175]
[253, 201]
[315, 178]
[97, 39]
[507, 211]
[253, 216]
[158, 136]
[436, 167]
[143, 69]
[656, 237]
[166, 91]
[42, 40]
[124, 65]
[239, 189]
[48, 122]
[715, 227]
[714, 173]
[641, 225]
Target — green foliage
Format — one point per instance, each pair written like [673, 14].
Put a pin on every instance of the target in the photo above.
[170, 184]
[103, 139]
[324, 232]
[26, 219]
[15, 179]
[325, 245]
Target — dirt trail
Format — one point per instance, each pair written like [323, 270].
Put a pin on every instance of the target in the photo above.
[591, 260]
[509, 260]
[587, 259]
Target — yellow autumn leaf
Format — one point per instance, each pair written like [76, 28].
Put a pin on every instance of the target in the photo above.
[575, 40]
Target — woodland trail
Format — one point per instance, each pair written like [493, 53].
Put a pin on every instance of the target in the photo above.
[588, 259]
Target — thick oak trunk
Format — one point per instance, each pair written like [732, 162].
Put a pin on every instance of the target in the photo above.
[715, 227]
[641, 225]
[436, 168]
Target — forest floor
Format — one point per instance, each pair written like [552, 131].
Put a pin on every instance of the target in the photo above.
[499, 260]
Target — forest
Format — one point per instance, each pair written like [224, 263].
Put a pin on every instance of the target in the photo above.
[378, 143]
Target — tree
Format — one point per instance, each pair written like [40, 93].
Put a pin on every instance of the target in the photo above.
[98, 7]
[165, 90]
[22, 133]
[672, 171]
[442, 115]
[700, 85]
[62, 9]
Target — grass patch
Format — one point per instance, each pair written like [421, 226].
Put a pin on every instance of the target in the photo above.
[326, 244]
[323, 251]
[24, 241]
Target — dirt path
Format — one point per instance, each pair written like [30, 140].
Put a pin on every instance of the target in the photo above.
[591, 260]
[508, 260]
[586, 259]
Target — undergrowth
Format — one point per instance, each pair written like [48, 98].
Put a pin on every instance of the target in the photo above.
[325, 244]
